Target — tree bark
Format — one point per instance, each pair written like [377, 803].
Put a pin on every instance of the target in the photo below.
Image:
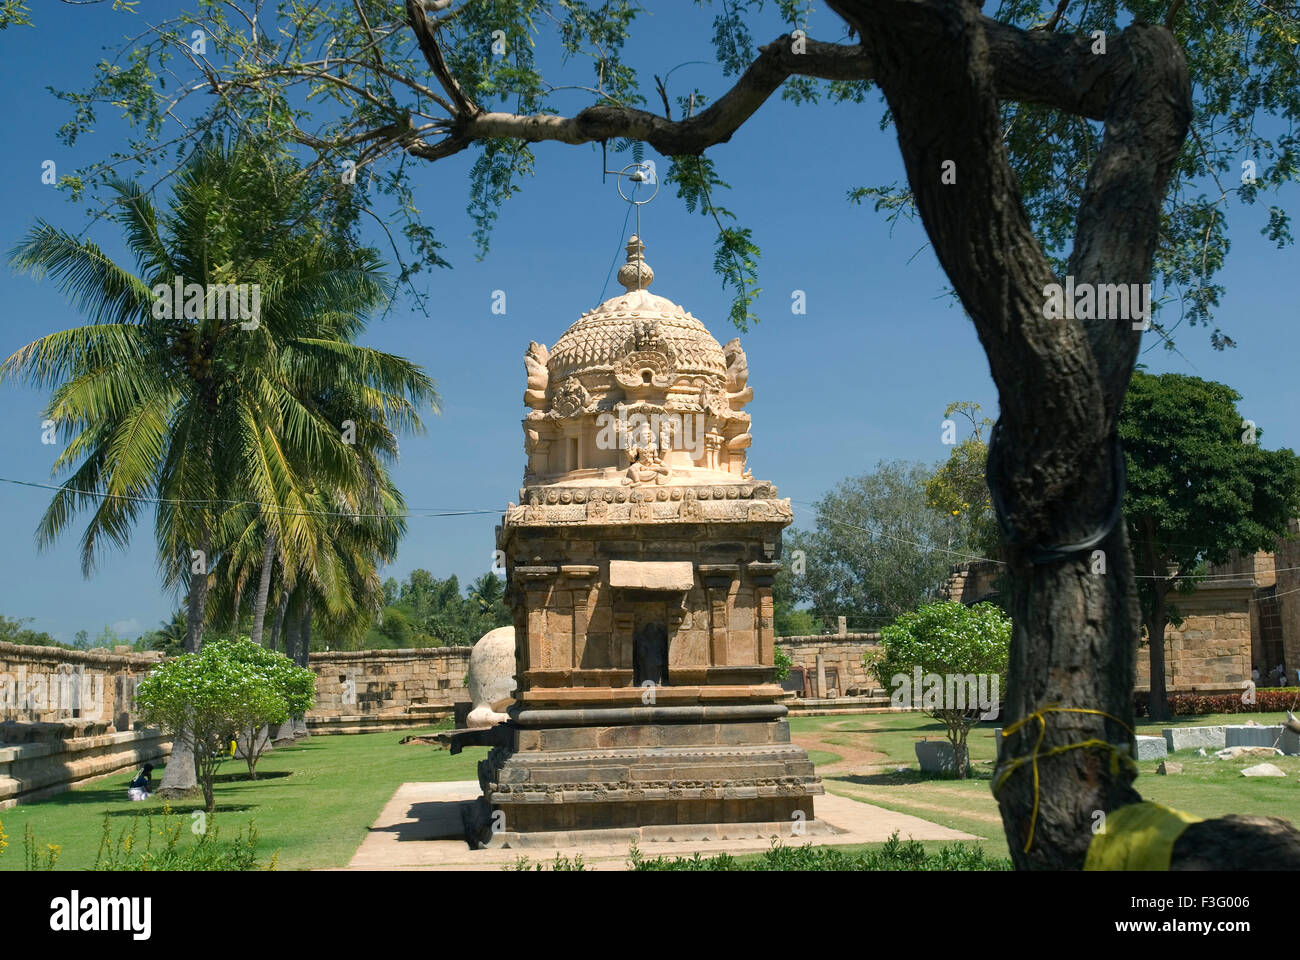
[1060, 381]
[281, 609]
[1158, 701]
[180, 778]
[196, 607]
[263, 587]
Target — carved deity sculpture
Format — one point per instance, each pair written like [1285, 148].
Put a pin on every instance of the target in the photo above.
[643, 454]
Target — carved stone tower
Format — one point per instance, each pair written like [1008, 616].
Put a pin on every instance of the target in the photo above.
[639, 568]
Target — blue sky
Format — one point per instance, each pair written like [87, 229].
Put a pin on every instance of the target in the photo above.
[862, 377]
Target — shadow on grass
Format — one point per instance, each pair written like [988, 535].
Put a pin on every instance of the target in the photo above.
[243, 777]
[893, 778]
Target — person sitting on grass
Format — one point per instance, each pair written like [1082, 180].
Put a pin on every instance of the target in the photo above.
[138, 789]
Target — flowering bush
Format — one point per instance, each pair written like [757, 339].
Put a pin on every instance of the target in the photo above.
[207, 699]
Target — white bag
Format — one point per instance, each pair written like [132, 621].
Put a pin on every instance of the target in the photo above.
[137, 793]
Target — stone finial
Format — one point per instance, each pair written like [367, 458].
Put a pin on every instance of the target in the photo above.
[636, 273]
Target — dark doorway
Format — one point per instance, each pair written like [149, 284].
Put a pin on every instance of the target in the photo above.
[650, 654]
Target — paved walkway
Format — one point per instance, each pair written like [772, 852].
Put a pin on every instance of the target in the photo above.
[420, 829]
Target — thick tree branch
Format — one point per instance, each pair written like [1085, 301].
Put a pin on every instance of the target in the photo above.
[1030, 67]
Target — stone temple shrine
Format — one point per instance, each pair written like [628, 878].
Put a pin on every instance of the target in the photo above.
[639, 565]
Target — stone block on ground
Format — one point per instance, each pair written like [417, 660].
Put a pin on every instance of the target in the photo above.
[1168, 767]
[1251, 736]
[1151, 748]
[936, 756]
[1189, 738]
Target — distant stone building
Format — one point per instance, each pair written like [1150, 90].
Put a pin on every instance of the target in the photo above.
[1244, 618]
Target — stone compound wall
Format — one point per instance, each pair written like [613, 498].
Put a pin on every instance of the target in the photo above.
[38, 760]
[68, 717]
[841, 652]
[362, 691]
[50, 684]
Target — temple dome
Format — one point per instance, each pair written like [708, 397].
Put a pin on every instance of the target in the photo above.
[601, 337]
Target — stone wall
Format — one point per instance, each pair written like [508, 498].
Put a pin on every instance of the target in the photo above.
[361, 691]
[1211, 651]
[832, 663]
[50, 684]
[38, 760]
[972, 581]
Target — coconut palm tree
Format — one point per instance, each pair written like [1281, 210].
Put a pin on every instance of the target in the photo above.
[196, 403]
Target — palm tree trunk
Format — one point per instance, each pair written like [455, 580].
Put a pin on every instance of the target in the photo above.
[304, 652]
[263, 587]
[198, 600]
[179, 776]
[281, 609]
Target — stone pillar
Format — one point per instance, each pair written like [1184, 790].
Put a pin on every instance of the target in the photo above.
[844, 626]
[763, 575]
[620, 641]
[537, 589]
[579, 576]
[821, 675]
[717, 579]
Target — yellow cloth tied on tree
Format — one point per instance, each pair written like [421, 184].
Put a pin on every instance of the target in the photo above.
[1140, 836]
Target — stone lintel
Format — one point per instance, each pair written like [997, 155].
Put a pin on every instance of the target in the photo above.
[579, 570]
[666, 575]
[537, 572]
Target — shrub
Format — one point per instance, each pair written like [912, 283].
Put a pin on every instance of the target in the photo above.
[895, 854]
[161, 849]
[1270, 700]
[949, 641]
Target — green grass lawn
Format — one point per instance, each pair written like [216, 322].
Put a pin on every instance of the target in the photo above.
[1209, 787]
[312, 802]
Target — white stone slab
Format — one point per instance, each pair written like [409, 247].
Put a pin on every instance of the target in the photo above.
[652, 574]
[1151, 748]
[1189, 738]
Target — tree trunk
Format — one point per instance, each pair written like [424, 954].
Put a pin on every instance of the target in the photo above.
[302, 659]
[263, 587]
[1060, 381]
[304, 637]
[281, 608]
[179, 778]
[198, 599]
[1158, 702]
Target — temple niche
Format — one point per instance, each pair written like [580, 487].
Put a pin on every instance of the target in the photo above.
[639, 563]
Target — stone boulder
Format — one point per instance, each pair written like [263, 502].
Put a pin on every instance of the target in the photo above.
[1262, 770]
[491, 678]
